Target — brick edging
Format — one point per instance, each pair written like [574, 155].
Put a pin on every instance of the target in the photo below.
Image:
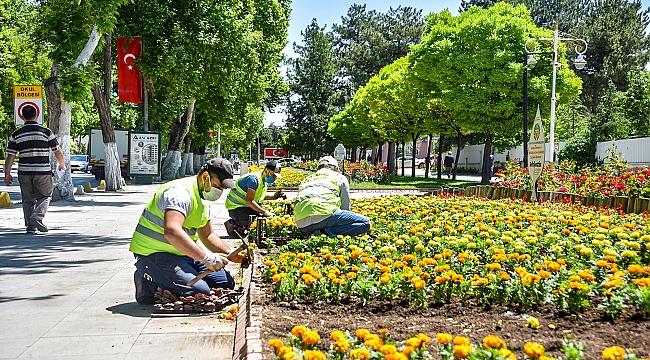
[248, 343]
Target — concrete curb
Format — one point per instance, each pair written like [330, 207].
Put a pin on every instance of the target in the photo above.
[247, 344]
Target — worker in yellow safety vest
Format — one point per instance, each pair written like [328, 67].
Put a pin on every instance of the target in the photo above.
[247, 197]
[323, 203]
[165, 242]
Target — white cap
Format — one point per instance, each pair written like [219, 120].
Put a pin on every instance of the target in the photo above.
[328, 161]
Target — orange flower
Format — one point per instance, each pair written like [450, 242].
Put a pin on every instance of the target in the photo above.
[276, 343]
[462, 351]
[533, 350]
[443, 339]
[396, 356]
[310, 337]
[297, 331]
[461, 340]
[362, 333]
[494, 342]
[341, 345]
[388, 349]
[360, 354]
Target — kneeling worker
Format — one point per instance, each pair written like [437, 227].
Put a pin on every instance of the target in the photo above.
[165, 240]
[323, 203]
[245, 199]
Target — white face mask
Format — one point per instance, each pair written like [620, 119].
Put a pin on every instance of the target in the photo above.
[213, 195]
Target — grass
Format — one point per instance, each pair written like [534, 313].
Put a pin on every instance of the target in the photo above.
[416, 183]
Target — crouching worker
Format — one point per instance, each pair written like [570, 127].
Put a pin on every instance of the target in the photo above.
[323, 203]
[247, 197]
[165, 241]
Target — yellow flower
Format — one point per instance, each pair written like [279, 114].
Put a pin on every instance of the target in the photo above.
[314, 355]
[360, 354]
[396, 356]
[533, 322]
[444, 339]
[614, 353]
[291, 356]
[362, 333]
[336, 335]
[276, 343]
[341, 345]
[310, 337]
[388, 349]
[533, 349]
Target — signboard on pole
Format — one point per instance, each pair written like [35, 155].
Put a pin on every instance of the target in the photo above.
[144, 153]
[536, 152]
[28, 95]
[339, 152]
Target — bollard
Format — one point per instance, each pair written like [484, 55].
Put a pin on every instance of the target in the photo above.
[5, 200]
[87, 187]
[80, 190]
[102, 185]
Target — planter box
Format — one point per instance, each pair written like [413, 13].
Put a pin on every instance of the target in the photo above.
[641, 205]
[620, 202]
[602, 202]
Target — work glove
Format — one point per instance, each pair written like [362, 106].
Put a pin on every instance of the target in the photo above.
[268, 214]
[213, 261]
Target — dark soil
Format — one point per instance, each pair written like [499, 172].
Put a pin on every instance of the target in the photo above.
[630, 330]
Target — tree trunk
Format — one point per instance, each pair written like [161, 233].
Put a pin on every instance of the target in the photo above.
[392, 166]
[402, 164]
[428, 159]
[487, 150]
[179, 129]
[459, 144]
[415, 139]
[59, 119]
[103, 103]
[440, 159]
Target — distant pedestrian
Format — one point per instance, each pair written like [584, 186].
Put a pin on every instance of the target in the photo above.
[33, 142]
[491, 166]
[449, 163]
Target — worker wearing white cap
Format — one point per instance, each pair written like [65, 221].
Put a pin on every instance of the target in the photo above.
[323, 203]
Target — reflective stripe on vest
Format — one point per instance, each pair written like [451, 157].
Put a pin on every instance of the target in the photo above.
[318, 195]
[237, 196]
[161, 222]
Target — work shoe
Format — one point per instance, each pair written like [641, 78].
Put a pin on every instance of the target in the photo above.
[39, 225]
[230, 228]
[143, 293]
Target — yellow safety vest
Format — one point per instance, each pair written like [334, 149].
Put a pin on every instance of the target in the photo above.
[237, 196]
[318, 194]
[149, 235]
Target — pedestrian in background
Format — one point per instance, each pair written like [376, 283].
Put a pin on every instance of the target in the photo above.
[449, 163]
[33, 142]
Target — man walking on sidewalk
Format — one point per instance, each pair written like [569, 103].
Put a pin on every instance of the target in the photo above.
[33, 142]
[449, 163]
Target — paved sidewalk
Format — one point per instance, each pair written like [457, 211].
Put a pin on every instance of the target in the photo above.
[69, 293]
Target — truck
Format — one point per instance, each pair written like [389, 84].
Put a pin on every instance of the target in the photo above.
[96, 151]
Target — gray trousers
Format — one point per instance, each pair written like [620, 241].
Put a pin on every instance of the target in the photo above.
[36, 191]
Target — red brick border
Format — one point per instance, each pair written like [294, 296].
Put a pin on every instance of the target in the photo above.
[248, 345]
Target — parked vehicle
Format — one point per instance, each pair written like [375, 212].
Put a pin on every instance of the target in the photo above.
[408, 162]
[79, 163]
[96, 151]
[289, 161]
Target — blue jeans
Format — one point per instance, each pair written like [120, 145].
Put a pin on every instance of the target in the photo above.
[341, 222]
[173, 272]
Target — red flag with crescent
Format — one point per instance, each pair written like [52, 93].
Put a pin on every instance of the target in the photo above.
[129, 79]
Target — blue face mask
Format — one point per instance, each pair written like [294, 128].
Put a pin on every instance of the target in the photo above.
[269, 179]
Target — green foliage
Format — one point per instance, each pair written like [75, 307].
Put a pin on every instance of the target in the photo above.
[581, 148]
[312, 84]
[573, 350]
[636, 103]
[367, 41]
[75, 82]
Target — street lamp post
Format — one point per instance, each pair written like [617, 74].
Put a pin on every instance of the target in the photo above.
[530, 62]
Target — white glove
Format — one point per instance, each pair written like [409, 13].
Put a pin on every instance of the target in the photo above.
[268, 214]
[213, 261]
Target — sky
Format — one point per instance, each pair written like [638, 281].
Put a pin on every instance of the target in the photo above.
[330, 12]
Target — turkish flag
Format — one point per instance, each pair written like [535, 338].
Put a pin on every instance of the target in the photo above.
[129, 79]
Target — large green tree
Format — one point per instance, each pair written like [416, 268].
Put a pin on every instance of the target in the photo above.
[473, 63]
[313, 84]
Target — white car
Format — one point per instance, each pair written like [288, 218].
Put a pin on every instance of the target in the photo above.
[408, 162]
[79, 163]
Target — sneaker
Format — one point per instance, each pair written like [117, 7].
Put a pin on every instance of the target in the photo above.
[31, 231]
[143, 295]
[230, 228]
[39, 225]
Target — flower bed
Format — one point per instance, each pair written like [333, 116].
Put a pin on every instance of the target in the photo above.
[434, 252]
[362, 171]
[304, 343]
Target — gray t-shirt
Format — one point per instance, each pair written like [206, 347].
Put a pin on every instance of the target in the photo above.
[176, 198]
